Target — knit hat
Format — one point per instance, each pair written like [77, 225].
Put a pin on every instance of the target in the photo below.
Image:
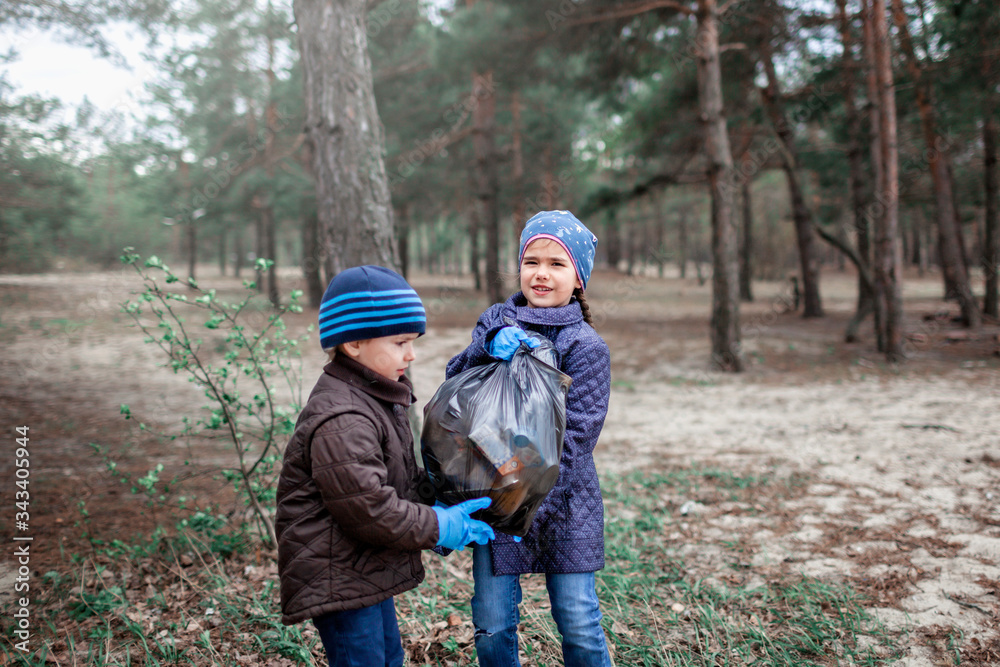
[368, 302]
[565, 229]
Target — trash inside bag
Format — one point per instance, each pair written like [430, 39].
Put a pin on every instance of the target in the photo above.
[497, 430]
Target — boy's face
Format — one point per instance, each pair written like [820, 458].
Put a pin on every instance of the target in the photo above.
[389, 355]
[547, 274]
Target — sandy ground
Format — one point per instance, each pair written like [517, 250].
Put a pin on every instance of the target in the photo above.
[901, 465]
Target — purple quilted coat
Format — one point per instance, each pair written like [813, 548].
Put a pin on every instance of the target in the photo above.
[567, 534]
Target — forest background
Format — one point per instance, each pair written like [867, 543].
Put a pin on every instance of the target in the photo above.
[797, 164]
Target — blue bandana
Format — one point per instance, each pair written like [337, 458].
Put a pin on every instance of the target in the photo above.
[565, 229]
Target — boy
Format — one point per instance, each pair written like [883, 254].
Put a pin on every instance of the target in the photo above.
[350, 522]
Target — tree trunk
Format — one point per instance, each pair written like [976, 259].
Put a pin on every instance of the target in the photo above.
[192, 246]
[310, 263]
[238, 251]
[190, 232]
[403, 239]
[271, 123]
[517, 173]
[923, 256]
[474, 234]
[345, 134]
[630, 237]
[888, 253]
[260, 242]
[962, 248]
[801, 215]
[991, 242]
[952, 263]
[271, 253]
[682, 242]
[487, 179]
[865, 304]
[746, 248]
[613, 238]
[875, 151]
[661, 253]
[725, 324]
[550, 184]
[222, 251]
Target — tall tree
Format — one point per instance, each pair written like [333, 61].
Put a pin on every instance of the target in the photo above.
[801, 214]
[270, 159]
[746, 246]
[725, 322]
[345, 135]
[487, 178]
[888, 250]
[991, 240]
[950, 244]
[855, 160]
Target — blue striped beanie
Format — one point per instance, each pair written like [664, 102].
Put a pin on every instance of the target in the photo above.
[368, 302]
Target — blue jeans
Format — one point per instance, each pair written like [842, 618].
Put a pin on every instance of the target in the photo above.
[495, 615]
[367, 637]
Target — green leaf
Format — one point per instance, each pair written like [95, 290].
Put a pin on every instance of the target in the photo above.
[214, 321]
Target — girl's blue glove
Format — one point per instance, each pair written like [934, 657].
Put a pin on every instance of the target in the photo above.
[456, 529]
[507, 340]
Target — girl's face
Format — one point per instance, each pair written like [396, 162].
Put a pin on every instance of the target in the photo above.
[547, 275]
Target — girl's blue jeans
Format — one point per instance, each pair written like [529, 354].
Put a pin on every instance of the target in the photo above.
[495, 615]
[367, 637]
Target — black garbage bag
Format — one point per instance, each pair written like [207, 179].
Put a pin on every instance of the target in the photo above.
[497, 430]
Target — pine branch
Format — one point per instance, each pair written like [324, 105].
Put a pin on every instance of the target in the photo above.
[633, 10]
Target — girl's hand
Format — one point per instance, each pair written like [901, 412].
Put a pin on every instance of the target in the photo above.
[507, 340]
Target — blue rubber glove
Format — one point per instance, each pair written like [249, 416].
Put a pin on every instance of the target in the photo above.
[507, 340]
[456, 529]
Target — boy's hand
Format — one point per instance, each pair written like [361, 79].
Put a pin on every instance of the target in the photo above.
[456, 528]
[507, 340]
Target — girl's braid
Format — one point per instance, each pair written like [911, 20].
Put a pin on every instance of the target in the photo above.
[584, 306]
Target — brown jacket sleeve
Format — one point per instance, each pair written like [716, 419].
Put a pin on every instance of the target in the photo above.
[349, 469]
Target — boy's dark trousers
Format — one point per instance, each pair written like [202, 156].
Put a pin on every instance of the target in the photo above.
[367, 637]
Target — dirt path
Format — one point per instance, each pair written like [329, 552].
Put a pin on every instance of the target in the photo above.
[900, 468]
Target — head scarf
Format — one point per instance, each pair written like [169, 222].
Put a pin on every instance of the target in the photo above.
[565, 229]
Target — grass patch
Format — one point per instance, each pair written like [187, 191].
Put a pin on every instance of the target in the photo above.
[164, 600]
[190, 598]
[661, 610]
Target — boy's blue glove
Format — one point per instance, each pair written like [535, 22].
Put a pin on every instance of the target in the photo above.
[507, 340]
[456, 529]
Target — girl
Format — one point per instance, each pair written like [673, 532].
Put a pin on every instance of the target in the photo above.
[566, 539]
